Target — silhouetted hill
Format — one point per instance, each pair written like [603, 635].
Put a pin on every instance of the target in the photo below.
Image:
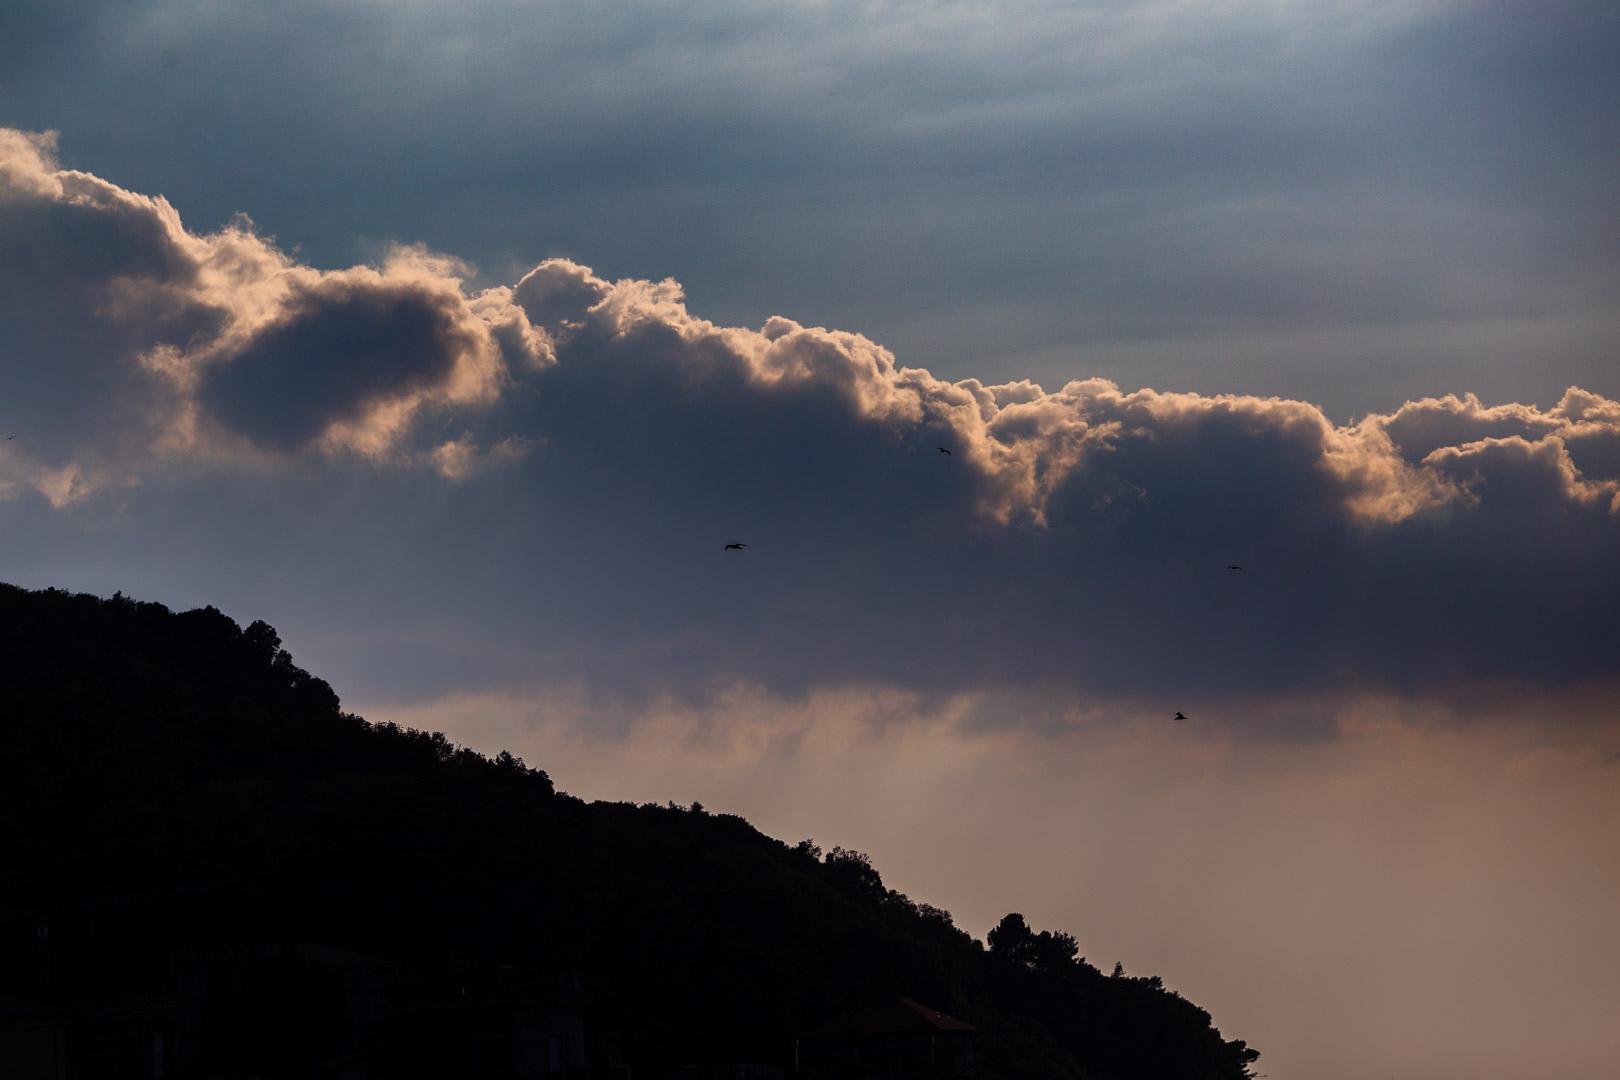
[173, 790]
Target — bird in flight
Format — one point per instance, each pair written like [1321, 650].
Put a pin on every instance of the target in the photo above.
[1234, 567]
[942, 450]
[735, 547]
[1178, 717]
[10, 437]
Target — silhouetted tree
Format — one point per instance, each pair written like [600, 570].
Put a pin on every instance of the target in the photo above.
[1014, 941]
[174, 782]
[1010, 936]
[853, 870]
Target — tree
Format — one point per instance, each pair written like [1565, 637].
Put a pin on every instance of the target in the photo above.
[1050, 951]
[854, 871]
[1010, 938]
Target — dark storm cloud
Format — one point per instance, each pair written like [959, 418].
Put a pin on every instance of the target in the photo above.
[133, 337]
[335, 348]
[534, 483]
[93, 278]
[1078, 537]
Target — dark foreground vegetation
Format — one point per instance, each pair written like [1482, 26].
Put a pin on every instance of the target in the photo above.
[210, 869]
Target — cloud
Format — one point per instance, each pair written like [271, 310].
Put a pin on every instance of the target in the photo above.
[135, 338]
[555, 466]
[348, 357]
[93, 276]
[1587, 425]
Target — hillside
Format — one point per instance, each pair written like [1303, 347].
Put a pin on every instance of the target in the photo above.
[175, 791]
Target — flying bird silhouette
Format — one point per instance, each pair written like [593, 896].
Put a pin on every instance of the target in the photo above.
[1178, 716]
[735, 547]
[1234, 567]
[944, 451]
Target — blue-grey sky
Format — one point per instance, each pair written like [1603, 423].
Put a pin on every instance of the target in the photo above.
[1347, 202]
[536, 306]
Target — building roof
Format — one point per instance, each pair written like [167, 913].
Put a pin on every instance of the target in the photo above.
[893, 1017]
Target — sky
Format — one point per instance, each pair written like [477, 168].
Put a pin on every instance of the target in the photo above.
[457, 340]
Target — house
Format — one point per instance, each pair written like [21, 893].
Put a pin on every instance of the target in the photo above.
[897, 1039]
[130, 1038]
[535, 1023]
[316, 1012]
